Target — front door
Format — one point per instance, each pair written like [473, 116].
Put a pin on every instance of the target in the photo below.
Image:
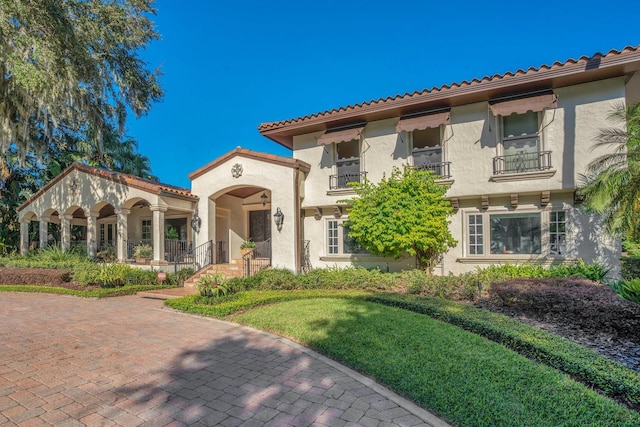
[260, 231]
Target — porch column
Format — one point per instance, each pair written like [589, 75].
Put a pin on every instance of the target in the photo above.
[24, 236]
[44, 232]
[65, 231]
[92, 244]
[158, 234]
[122, 219]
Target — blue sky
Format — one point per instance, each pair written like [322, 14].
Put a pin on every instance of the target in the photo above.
[229, 66]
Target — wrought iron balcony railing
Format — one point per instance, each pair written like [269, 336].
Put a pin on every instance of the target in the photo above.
[441, 169]
[522, 162]
[341, 180]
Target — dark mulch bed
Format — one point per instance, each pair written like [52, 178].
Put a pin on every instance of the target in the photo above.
[582, 311]
[40, 277]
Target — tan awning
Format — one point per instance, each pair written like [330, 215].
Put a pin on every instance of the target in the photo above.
[422, 122]
[340, 136]
[522, 105]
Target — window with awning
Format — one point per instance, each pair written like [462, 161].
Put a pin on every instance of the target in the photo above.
[426, 121]
[338, 136]
[523, 105]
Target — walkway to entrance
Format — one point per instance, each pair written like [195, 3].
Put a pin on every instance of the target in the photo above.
[127, 361]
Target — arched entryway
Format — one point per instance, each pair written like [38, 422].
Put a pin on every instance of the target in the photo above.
[242, 214]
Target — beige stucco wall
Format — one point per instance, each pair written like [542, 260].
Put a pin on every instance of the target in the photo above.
[470, 143]
[277, 179]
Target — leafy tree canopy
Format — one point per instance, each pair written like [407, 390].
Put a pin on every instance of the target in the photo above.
[404, 213]
[612, 182]
[70, 69]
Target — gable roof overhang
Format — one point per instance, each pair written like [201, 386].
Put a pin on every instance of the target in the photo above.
[615, 63]
[119, 177]
[255, 155]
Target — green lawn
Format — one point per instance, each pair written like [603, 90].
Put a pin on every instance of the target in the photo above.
[91, 293]
[461, 376]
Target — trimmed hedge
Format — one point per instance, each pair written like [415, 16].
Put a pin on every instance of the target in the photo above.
[610, 377]
[90, 293]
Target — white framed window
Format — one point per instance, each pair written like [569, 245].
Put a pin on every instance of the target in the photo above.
[508, 233]
[558, 233]
[427, 151]
[347, 164]
[146, 229]
[476, 235]
[338, 240]
[521, 144]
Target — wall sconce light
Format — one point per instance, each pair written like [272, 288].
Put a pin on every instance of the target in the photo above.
[264, 198]
[196, 222]
[279, 218]
[73, 185]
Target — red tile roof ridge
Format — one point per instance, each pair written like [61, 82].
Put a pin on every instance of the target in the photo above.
[584, 58]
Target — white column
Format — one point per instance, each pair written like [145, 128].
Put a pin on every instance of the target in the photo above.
[122, 218]
[65, 231]
[44, 232]
[158, 234]
[92, 241]
[24, 236]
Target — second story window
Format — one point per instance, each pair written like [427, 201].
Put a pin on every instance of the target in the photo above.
[427, 151]
[347, 164]
[521, 144]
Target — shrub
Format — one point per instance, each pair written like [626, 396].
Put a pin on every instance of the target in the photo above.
[33, 276]
[212, 285]
[579, 302]
[143, 251]
[629, 290]
[630, 268]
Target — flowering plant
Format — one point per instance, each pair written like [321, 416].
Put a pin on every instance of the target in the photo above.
[212, 285]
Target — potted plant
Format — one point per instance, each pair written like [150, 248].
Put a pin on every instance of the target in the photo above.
[247, 246]
[143, 253]
[212, 285]
[107, 254]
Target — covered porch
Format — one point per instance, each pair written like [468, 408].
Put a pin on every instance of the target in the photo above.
[110, 215]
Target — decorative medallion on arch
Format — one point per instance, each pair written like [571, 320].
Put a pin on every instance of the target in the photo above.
[236, 170]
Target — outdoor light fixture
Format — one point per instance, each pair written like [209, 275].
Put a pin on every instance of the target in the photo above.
[279, 218]
[196, 222]
[264, 198]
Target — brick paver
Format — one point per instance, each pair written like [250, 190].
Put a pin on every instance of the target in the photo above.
[127, 361]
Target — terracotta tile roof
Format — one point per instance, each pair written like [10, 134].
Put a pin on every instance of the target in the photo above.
[123, 178]
[256, 155]
[571, 71]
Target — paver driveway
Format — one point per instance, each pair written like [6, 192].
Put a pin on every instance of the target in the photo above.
[127, 361]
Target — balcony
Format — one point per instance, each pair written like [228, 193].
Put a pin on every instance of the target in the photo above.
[342, 180]
[441, 170]
[522, 162]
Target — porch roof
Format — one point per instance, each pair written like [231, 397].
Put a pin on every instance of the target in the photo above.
[119, 177]
[255, 155]
[585, 69]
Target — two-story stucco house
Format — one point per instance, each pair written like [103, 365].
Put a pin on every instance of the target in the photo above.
[511, 147]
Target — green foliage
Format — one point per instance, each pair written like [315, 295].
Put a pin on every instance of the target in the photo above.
[212, 285]
[630, 268]
[236, 302]
[612, 378]
[171, 234]
[51, 257]
[405, 213]
[612, 184]
[143, 251]
[248, 244]
[631, 247]
[90, 293]
[71, 68]
[468, 380]
[628, 289]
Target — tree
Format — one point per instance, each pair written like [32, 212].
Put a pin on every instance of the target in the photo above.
[612, 182]
[71, 69]
[405, 213]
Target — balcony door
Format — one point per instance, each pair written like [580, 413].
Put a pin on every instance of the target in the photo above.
[260, 231]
